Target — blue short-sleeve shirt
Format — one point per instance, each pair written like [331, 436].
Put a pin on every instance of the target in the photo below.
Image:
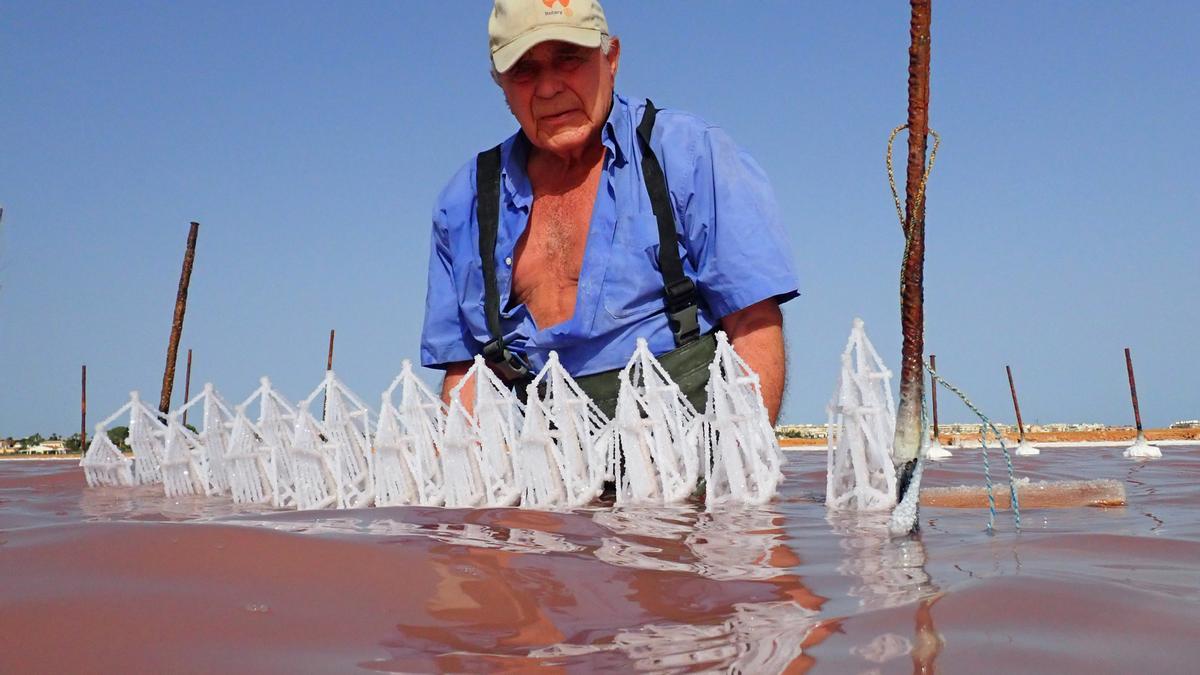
[730, 241]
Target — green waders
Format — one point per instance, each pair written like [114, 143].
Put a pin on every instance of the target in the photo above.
[687, 364]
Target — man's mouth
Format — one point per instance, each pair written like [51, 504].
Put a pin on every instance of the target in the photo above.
[557, 117]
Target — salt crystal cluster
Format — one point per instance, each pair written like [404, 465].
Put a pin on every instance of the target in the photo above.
[482, 448]
[862, 423]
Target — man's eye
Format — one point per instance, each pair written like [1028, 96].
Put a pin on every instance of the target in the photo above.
[521, 73]
[571, 61]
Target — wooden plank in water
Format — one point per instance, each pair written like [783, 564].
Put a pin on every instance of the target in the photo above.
[1041, 495]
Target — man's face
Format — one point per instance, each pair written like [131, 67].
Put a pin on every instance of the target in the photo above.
[560, 94]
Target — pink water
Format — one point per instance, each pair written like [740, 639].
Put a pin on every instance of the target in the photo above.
[121, 580]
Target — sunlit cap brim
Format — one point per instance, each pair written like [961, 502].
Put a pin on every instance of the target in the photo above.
[507, 55]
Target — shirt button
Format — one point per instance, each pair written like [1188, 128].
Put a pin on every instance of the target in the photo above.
[508, 261]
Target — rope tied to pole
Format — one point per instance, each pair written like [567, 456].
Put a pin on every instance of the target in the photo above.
[987, 424]
[907, 221]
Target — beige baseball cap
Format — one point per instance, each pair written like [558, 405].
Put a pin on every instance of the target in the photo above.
[516, 26]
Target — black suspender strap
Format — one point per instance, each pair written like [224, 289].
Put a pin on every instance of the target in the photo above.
[680, 290]
[487, 214]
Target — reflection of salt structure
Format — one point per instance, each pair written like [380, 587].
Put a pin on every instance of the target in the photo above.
[862, 422]
[482, 449]
[564, 463]
[743, 458]
[659, 432]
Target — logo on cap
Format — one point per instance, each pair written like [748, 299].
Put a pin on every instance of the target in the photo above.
[566, 6]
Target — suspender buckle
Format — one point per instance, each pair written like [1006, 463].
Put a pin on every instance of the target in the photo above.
[681, 310]
[507, 364]
[680, 293]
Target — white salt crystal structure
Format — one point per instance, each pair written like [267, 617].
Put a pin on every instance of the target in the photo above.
[194, 463]
[313, 486]
[275, 429]
[422, 417]
[463, 484]
[535, 463]
[659, 435]
[498, 418]
[103, 463]
[247, 462]
[935, 450]
[1026, 449]
[565, 447]
[146, 432]
[182, 473]
[1141, 449]
[395, 476]
[216, 427]
[346, 430]
[743, 457]
[862, 422]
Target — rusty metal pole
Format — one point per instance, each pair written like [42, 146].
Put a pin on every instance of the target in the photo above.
[83, 412]
[1016, 406]
[328, 367]
[907, 443]
[185, 278]
[937, 436]
[1137, 415]
[187, 385]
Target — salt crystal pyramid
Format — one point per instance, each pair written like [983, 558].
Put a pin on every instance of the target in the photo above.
[463, 482]
[103, 463]
[566, 443]
[146, 433]
[498, 419]
[862, 422]
[247, 462]
[744, 457]
[345, 429]
[658, 435]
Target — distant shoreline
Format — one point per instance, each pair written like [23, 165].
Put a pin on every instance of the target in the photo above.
[1113, 436]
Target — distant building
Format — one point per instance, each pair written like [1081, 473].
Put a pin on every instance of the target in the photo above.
[47, 448]
[1186, 424]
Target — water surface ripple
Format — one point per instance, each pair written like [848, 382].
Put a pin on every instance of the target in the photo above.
[125, 580]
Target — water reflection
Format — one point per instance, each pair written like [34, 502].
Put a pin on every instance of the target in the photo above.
[891, 571]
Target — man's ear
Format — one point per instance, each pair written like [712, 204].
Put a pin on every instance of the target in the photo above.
[614, 55]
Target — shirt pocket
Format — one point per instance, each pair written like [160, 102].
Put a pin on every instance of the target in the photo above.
[633, 285]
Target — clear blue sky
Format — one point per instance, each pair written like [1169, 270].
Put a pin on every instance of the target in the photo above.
[310, 139]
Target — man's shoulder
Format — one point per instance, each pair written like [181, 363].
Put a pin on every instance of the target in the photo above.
[462, 182]
[669, 120]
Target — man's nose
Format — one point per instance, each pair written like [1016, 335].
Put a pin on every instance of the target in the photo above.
[548, 84]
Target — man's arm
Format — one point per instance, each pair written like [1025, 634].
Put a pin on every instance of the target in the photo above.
[756, 332]
[455, 372]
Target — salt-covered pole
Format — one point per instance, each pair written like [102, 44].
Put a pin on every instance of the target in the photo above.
[83, 410]
[185, 278]
[937, 435]
[187, 385]
[907, 442]
[328, 367]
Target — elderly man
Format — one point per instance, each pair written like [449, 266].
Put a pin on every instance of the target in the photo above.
[601, 221]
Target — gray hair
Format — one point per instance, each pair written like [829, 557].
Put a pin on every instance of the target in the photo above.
[605, 48]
